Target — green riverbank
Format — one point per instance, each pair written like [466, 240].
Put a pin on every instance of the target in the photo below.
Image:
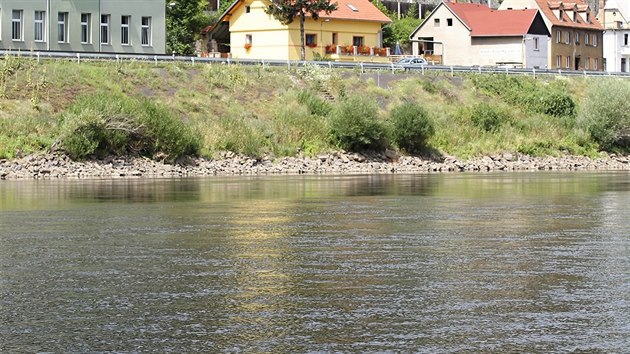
[166, 111]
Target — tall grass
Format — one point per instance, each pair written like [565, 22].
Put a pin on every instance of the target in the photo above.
[274, 111]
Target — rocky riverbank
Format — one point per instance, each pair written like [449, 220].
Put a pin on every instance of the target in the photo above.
[56, 166]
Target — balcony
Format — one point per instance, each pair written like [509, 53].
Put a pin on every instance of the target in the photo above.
[360, 53]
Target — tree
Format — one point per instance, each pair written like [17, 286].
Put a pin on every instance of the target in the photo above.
[184, 21]
[399, 29]
[286, 11]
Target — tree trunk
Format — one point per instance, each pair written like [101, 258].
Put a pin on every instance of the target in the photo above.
[302, 51]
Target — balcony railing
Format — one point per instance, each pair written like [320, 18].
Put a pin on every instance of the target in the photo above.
[354, 50]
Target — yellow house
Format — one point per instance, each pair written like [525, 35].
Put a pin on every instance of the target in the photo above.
[350, 33]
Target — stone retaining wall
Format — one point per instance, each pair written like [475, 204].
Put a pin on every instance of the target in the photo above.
[60, 166]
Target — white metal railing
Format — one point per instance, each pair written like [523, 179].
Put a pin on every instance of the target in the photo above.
[156, 59]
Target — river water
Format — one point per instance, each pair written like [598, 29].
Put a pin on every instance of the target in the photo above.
[442, 263]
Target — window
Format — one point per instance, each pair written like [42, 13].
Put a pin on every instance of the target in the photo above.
[248, 39]
[625, 39]
[124, 30]
[16, 25]
[587, 63]
[105, 38]
[436, 22]
[558, 61]
[585, 38]
[86, 35]
[596, 65]
[310, 40]
[146, 31]
[335, 38]
[357, 41]
[557, 36]
[568, 62]
[38, 34]
[535, 40]
[248, 9]
[449, 22]
[588, 17]
[567, 37]
[623, 65]
[577, 38]
[62, 27]
[594, 40]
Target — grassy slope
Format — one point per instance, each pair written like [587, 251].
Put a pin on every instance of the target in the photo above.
[256, 111]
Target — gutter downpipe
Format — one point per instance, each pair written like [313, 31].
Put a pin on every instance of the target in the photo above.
[49, 25]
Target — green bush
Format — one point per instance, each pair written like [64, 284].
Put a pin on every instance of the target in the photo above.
[412, 127]
[315, 105]
[530, 94]
[110, 124]
[355, 125]
[605, 113]
[489, 117]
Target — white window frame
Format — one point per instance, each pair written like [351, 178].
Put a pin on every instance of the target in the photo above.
[558, 36]
[39, 26]
[596, 65]
[125, 35]
[62, 27]
[594, 40]
[146, 39]
[568, 62]
[17, 26]
[105, 29]
[86, 28]
[558, 61]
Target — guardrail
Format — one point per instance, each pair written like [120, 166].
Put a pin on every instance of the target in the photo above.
[362, 66]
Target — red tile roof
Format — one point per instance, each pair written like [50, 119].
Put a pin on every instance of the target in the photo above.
[485, 22]
[547, 9]
[365, 11]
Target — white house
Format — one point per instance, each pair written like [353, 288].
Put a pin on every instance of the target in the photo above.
[473, 34]
[616, 21]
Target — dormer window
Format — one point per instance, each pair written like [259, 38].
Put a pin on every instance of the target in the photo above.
[575, 16]
[588, 17]
[560, 15]
[353, 8]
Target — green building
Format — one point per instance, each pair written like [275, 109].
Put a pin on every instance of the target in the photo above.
[95, 26]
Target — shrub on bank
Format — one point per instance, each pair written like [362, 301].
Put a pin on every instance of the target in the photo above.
[355, 125]
[530, 94]
[411, 127]
[315, 104]
[111, 124]
[605, 113]
[489, 117]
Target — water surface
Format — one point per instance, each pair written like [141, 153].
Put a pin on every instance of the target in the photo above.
[510, 262]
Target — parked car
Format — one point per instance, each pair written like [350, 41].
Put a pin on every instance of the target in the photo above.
[413, 61]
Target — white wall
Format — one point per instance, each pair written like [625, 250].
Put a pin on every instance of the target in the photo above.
[536, 57]
[615, 50]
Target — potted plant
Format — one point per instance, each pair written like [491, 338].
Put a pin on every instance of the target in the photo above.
[247, 46]
[312, 45]
[331, 49]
